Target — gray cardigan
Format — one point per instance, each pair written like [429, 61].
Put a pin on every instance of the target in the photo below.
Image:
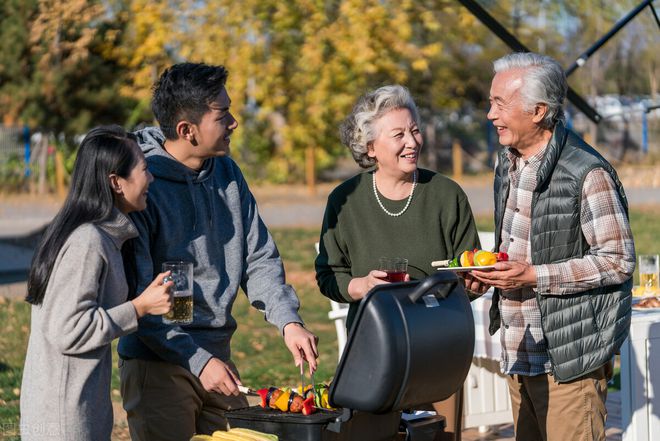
[65, 393]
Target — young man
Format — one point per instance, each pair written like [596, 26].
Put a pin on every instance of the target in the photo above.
[179, 380]
[563, 301]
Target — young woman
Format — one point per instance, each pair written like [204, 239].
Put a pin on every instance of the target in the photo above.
[78, 287]
[395, 209]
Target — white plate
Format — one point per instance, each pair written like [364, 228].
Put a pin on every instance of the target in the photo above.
[463, 269]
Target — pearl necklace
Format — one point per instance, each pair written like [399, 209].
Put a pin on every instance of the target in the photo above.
[412, 190]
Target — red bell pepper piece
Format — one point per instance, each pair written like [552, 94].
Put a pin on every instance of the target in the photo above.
[308, 406]
[502, 256]
[263, 393]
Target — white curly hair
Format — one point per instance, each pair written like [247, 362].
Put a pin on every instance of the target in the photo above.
[357, 131]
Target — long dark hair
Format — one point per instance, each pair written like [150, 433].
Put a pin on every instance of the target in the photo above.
[105, 150]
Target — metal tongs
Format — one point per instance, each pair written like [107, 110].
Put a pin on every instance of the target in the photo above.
[302, 378]
[247, 391]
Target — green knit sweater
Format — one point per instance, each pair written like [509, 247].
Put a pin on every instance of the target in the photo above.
[356, 232]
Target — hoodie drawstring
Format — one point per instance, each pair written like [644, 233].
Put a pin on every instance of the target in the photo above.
[210, 194]
[191, 190]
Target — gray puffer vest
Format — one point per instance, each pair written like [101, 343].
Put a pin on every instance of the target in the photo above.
[583, 331]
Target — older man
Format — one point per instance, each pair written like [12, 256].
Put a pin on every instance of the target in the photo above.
[563, 301]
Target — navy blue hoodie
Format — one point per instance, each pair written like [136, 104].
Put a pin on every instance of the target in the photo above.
[208, 217]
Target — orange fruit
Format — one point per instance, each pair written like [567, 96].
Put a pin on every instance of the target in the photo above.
[466, 258]
[484, 258]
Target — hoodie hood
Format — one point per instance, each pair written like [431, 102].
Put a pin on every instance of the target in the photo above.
[163, 165]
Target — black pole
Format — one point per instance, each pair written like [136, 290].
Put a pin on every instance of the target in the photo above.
[515, 44]
[617, 27]
[494, 25]
[655, 14]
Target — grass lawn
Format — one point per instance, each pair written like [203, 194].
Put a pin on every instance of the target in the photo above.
[257, 348]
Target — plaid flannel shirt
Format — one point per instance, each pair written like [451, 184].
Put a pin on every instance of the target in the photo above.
[611, 258]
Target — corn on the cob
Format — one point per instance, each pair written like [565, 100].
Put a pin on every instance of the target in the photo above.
[201, 438]
[220, 435]
[260, 436]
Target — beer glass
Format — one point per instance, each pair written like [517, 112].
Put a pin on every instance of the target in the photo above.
[395, 267]
[649, 267]
[182, 292]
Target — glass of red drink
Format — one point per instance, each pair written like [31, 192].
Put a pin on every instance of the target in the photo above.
[395, 267]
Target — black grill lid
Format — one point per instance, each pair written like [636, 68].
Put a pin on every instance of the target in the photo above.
[410, 344]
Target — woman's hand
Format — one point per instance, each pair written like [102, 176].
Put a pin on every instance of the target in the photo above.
[156, 299]
[360, 286]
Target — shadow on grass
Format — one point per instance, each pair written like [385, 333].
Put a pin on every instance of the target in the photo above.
[4, 367]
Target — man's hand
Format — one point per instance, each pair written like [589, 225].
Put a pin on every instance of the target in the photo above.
[474, 286]
[508, 275]
[302, 344]
[217, 377]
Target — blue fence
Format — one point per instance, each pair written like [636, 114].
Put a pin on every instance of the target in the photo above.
[15, 144]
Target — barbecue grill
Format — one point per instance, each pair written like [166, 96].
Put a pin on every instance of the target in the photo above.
[410, 344]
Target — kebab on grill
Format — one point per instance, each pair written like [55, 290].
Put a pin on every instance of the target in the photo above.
[320, 392]
[286, 400]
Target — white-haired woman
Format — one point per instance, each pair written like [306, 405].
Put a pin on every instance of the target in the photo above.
[394, 209]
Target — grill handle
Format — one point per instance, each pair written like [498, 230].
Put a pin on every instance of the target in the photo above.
[440, 284]
[335, 426]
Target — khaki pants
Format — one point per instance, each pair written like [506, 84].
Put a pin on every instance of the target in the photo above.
[165, 402]
[545, 410]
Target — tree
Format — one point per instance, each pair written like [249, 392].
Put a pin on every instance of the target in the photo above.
[62, 82]
[147, 44]
[15, 67]
[297, 66]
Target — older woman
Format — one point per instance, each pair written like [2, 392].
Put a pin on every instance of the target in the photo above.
[395, 209]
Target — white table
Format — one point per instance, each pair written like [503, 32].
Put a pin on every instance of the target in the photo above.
[486, 392]
[640, 378]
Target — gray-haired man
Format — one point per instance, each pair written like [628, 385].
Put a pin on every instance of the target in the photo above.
[563, 301]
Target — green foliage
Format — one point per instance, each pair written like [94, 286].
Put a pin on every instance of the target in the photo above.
[12, 173]
[57, 76]
[296, 66]
[14, 325]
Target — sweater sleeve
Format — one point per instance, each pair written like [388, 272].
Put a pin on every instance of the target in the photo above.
[74, 321]
[263, 277]
[333, 266]
[171, 343]
[463, 234]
